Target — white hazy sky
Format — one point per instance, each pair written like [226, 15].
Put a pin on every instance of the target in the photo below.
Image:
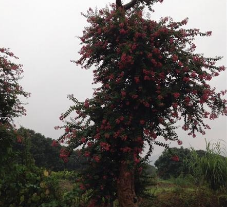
[43, 34]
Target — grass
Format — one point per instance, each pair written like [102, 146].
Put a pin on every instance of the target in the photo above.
[180, 192]
[175, 192]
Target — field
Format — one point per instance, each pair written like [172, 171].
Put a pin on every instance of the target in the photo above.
[174, 192]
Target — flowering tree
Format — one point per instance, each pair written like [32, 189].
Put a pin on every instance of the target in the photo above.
[150, 78]
[10, 89]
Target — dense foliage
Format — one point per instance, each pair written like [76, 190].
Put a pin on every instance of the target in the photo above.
[45, 152]
[10, 89]
[150, 78]
[10, 104]
[22, 182]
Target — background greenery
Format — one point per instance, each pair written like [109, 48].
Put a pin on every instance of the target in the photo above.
[37, 177]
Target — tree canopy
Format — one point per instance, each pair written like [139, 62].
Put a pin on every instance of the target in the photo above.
[44, 151]
[10, 103]
[10, 89]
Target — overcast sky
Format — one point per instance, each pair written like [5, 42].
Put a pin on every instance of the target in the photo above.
[43, 34]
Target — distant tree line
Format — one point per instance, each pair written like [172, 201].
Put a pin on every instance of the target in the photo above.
[31, 145]
[173, 162]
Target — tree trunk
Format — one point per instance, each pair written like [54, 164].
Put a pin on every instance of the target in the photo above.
[126, 188]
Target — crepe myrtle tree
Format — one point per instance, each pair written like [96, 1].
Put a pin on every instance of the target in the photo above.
[10, 89]
[150, 77]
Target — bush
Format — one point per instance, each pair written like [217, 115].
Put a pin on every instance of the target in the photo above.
[26, 186]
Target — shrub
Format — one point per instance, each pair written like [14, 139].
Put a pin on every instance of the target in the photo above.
[210, 168]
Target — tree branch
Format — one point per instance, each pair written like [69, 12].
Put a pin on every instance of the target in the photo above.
[130, 4]
[118, 3]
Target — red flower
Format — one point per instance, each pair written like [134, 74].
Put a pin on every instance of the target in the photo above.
[160, 97]
[83, 140]
[90, 144]
[137, 80]
[64, 154]
[175, 158]
[121, 24]
[146, 77]
[179, 142]
[19, 139]
[209, 33]
[187, 99]
[123, 93]
[176, 95]
[146, 104]
[86, 103]
[186, 79]
[134, 96]
[96, 158]
[175, 58]
[54, 143]
[175, 105]
[142, 122]
[82, 187]
[67, 129]
[105, 146]
[87, 154]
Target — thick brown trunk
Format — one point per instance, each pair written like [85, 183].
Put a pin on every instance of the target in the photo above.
[126, 188]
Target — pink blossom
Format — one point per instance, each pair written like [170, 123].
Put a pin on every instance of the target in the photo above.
[96, 158]
[187, 99]
[67, 129]
[175, 105]
[142, 122]
[121, 24]
[160, 97]
[90, 144]
[179, 142]
[176, 95]
[54, 143]
[222, 68]
[134, 96]
[123, 93]
[185, 21]
[209, 33]
[175, 58]
[146, 77]
[86, 103]
[180, 63]
[105, 146]
[83, 139]
[213, 116]
[175, 158]
[87, 154]
[146, 104]
[185, 127]
[193, 75]
[137, 80]
[186, 79]
[19, 139]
